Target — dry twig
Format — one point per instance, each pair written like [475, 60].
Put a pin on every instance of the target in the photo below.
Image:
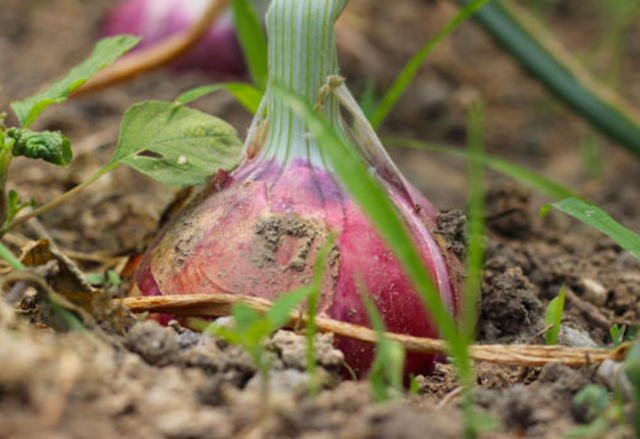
[220, 305]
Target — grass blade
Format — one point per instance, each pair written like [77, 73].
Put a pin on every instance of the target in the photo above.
[385, 375]
[410, 70]
[553, 317]
[600, 220]
[475, 254]
[556, 69]
[10, 259]
[312, 309]
[356, 177]
[246, 94]
[525, 176]
[252, 40]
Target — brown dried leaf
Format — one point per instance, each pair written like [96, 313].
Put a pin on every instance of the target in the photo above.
[69, 281]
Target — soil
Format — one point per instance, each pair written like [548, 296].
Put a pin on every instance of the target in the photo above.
[127, 378]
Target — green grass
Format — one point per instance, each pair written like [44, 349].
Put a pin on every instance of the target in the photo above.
[253, 41]
[553, 317]
[410, 70]
[598, 219]
[312, 307]
[10, 259]
[364, 188]
[474, 264]
[529, 178]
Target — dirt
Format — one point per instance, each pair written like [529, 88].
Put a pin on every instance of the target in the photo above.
[123, 378]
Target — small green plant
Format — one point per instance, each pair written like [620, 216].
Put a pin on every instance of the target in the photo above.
[385, 375]
[110, 278]
[600, 412]
[50, 146]
[553, 317]
[251, 329]
[604, 412]
[623, 334]
[632, 370]
[414, 387]
[312, 308]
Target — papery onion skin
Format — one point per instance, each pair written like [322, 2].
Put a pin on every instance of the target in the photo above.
[218, 53]
[257, 233]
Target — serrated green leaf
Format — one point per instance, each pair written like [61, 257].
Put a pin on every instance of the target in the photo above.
[52, 147]
[105, 52]
[598, 219]
[176, 145]
[247, 95]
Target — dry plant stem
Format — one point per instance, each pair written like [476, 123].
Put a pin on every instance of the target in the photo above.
[58, 201]
[155, 56]
[220, 305]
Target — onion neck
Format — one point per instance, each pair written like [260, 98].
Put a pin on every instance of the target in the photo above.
[302, 54]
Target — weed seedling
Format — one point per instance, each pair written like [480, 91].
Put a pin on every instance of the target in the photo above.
[553, 317]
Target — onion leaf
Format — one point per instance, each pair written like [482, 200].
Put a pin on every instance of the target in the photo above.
[252, 40]
[541, 55]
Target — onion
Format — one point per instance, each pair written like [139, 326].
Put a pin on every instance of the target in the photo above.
[258, 230]
[218, 52]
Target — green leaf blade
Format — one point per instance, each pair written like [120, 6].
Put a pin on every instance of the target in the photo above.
[279, 313]
[176, 145]
[252, 40]
[247, 95]
[598, 219]
[409, 72]
[525, 176]
[553, 317]
[542, 56]
[105, 52]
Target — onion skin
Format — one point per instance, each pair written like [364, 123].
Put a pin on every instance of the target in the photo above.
[218, 53]
[257, 233]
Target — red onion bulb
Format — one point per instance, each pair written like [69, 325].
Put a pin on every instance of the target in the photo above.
[258, 230]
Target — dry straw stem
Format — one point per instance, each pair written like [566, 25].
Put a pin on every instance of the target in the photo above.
[155, 56]
[220, 305]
